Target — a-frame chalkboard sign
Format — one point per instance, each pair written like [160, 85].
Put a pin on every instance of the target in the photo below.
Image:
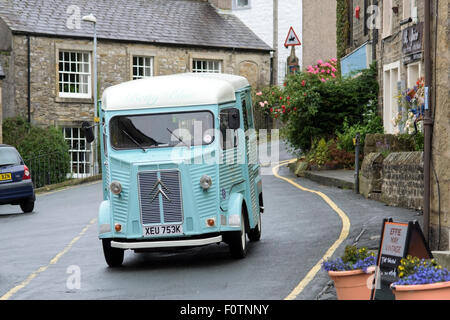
[398, 240]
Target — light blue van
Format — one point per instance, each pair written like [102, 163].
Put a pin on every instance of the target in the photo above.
[180, 165]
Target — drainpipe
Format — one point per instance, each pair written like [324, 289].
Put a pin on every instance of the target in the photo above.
[29, 78]
[427, 122]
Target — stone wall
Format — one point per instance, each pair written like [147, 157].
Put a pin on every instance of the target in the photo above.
[387, 143]
[403, 180]
[357, 25]
[114, 66]
[440, 197]
[371, 176]
[396, 180]
[1, 113]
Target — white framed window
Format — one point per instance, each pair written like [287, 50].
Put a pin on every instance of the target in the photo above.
[391, 80]
[214, 66]
[142, 67]
[81, 153]
[241, 4]
[74, 74]
[387, 18]
[413, 72]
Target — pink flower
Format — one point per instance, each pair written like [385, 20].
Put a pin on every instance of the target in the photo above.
[333, 75]
[265, 102]
[323, 80]
[259, 93]
[262, 104]
[319, 61]
[328, 71]
[322, 71]
[333, 69]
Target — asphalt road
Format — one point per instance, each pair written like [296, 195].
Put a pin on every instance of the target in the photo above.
[42, 252]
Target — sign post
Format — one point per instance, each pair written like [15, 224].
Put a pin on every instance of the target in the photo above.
[398, 240]
[292, 40]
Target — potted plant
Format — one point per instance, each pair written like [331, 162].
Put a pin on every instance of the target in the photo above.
[421, 279]
[351, 272]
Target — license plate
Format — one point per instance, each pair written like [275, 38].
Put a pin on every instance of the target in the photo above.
[154, 231]
[5, 176]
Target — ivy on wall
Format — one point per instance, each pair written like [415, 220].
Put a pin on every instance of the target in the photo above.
[342, 27]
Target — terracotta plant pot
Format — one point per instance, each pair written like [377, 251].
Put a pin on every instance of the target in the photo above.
[432, 291]
[352, 285]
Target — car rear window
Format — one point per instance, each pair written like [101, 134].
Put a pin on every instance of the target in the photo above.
[9, 156]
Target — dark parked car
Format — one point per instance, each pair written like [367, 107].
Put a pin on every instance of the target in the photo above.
[16, 187]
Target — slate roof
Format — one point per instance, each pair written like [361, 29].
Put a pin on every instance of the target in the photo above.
[178, 22]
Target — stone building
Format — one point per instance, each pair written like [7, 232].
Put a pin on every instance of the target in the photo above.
[2, 76]
[391, 32]
[384, 31]
[46, 47]
[314, 22]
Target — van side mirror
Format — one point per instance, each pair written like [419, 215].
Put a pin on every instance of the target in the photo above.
[88, 132]
[234, 120]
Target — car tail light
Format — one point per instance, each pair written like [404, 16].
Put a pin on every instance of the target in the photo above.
[26, 173]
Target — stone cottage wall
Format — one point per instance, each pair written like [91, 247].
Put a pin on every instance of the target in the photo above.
[403, 180]
[114, 66]
[396, 180]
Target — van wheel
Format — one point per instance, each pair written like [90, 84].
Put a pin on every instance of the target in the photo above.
[255, 234]
[27, 206]
[238, 241]
[113, 256]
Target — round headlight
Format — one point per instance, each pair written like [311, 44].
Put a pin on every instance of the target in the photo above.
[115, 187]
[205, 182]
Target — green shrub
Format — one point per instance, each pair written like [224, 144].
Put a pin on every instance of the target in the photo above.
[319, 154]
[44, 150]
[371, 124]
[312, 108]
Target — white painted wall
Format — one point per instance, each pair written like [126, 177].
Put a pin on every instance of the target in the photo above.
[259, 18]
[289, 15]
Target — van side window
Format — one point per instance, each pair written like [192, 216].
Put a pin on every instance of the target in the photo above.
[229, 137]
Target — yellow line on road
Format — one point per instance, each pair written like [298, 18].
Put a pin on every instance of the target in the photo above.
[344, 232]
[55, 259]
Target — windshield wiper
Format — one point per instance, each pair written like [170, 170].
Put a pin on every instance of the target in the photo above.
[179, 139]
[135, 142]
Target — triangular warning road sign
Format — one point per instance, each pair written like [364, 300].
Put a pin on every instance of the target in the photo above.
[292, 39]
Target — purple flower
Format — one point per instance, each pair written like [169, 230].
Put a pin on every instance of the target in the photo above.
[425, 275]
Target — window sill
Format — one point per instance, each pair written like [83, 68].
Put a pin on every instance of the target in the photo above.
[74, 100]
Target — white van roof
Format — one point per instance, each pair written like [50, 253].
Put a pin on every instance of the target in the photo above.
[179, 90]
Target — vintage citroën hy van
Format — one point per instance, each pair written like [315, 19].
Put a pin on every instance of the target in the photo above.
[180, 167]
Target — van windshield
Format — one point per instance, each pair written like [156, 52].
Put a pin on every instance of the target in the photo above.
[162, 130]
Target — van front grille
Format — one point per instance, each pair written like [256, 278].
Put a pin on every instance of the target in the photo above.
[160, 197]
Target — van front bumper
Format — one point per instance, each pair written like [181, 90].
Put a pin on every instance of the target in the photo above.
[165, 244]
